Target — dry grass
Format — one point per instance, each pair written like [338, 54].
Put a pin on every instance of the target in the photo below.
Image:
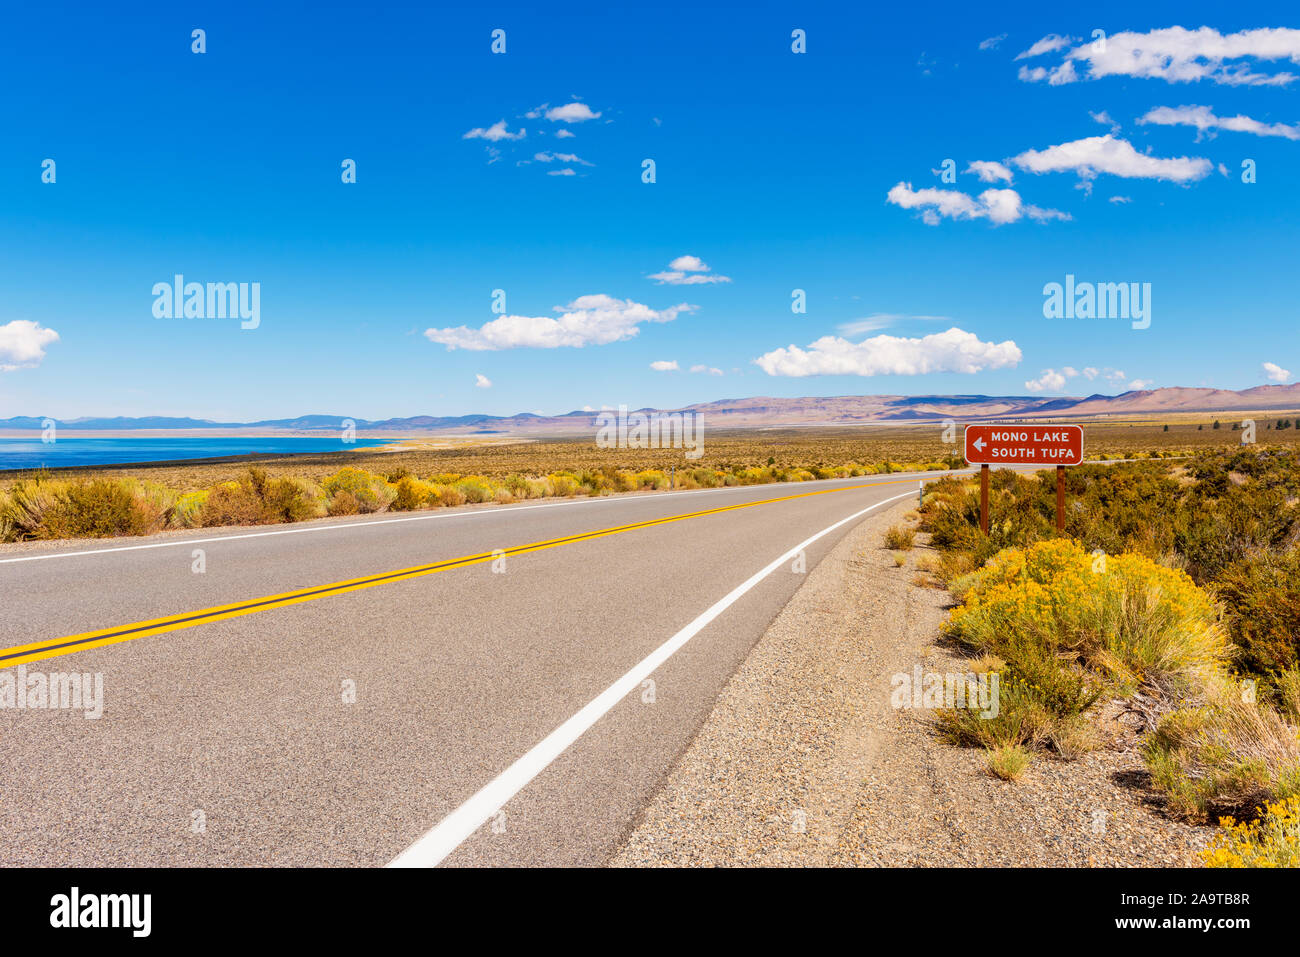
[900, 539]
[1229, 754]
[1008, 762]
[1072, 739]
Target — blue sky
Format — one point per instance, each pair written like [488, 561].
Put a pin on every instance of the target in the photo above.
[773, 169]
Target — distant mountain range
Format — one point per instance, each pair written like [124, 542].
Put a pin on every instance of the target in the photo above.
[754, 413]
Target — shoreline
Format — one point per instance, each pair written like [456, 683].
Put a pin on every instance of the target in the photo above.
[401, 435]
[397, 445]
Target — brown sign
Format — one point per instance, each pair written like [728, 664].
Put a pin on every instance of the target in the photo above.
[1024, 445]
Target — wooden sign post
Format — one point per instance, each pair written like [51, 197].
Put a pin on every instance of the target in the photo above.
[984, 499]
[1058, 445]
[1060, 498]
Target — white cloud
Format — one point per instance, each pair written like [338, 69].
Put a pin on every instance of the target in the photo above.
[587, 321]
[664, 365]
[561, 172]
[571, 113]
[564, 134]
[1046, 215]
[992, 42]
[709, 369]
[989, 171]
[22, 344]
[562, 158]
[687, 271]
[880, 320]
[1052, 380]
[1116, 378]
[1179, 55]
[1274, 372]
[1047, 44]
[482, 382]
[998, 206]
[951, 351]
[1094, 155]
[1105, 119]
[1049, 381]
[494, 133]
[1120, 200]
[1062, 74]
[1203, 118]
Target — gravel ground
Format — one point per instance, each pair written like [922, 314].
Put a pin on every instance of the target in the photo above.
[804, 762]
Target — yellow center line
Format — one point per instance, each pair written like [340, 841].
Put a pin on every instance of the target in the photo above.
[54, 647]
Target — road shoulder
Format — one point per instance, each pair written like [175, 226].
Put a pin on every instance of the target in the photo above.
[804, 762]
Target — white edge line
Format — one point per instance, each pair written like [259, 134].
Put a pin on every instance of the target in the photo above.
[452, 830]
[425, 518]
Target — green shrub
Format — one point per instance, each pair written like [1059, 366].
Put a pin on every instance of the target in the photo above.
[350, 491]
[1021, 719]
[475, 489]
[518, 486]
[1261, 598]
[188, 509]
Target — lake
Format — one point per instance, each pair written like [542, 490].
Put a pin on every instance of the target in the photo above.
[33, 453]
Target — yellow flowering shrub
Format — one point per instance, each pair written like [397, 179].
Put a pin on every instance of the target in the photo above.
[1124, 617]
[1273, 840]
[188, 508]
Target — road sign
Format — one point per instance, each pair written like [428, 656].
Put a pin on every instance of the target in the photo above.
[1024, 445]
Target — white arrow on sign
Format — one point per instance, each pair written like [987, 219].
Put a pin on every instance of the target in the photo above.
[979, 445]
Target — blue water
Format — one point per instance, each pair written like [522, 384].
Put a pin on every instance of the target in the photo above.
[33, 453]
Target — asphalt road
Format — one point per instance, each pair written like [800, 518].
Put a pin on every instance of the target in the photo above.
[233, 740]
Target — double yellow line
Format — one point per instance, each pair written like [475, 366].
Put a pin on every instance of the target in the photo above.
[54, 647]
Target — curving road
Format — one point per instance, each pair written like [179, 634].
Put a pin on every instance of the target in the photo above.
[371, 691]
